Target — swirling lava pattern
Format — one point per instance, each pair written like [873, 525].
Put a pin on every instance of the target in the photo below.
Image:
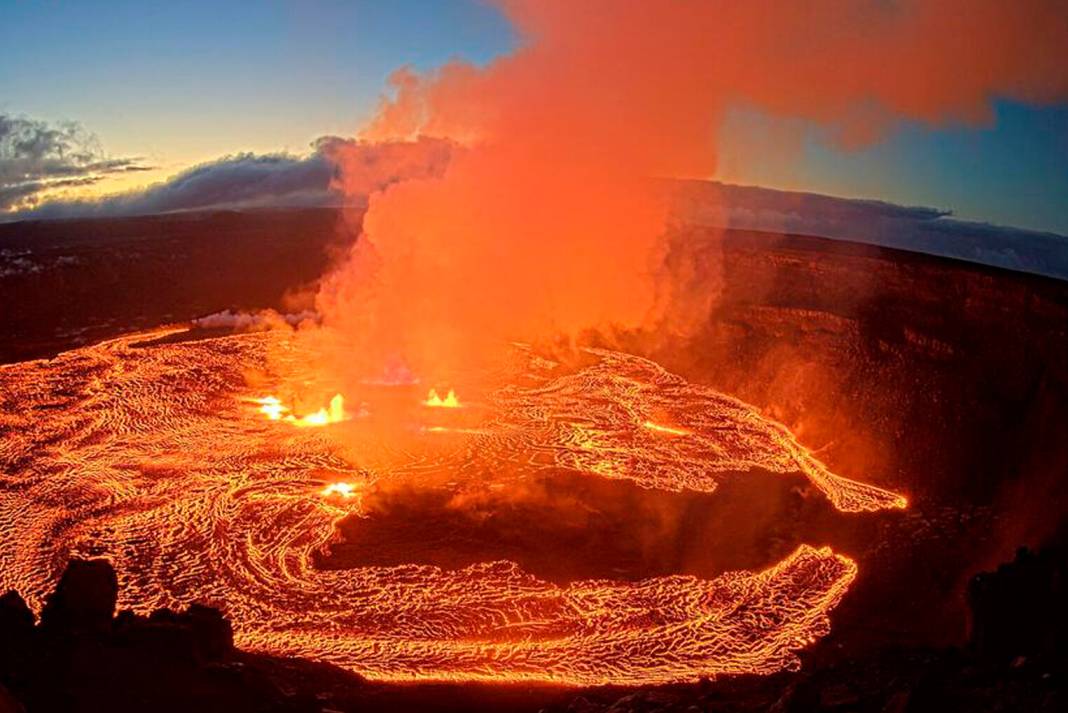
[155, 456]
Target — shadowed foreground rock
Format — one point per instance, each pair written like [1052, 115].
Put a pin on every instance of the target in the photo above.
[1019, 610]
[80, 658]
[84, 599]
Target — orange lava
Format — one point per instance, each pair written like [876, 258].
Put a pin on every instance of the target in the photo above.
[150, 455]
[342, 490]
[665, 429]
[433, 400]
[273, 409]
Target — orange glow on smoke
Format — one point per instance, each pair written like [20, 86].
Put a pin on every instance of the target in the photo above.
[544, 221]
[542, 225]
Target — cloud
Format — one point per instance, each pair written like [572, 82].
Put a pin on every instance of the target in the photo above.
[268, 180]
[914, 228]
[33, 153]
[37, 157]
[250, 322]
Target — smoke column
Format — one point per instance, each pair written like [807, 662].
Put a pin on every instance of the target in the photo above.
[545, 222]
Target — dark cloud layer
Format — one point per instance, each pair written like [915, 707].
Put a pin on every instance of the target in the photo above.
[281, 180]
[36, 156]
[273, 180]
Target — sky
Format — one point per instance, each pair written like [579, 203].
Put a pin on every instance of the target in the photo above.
[181, 83]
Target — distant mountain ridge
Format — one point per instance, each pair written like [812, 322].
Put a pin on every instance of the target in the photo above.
[916, 229]
[930, 231]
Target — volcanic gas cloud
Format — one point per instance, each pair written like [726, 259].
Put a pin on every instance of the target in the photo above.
[544, 223]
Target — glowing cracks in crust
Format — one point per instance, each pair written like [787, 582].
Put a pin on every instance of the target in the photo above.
[275, 410]
[447, 429]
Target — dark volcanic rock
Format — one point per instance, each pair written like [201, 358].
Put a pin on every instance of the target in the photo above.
[200, 632]
[16, 629]
[8, 704]
[97, 278]
[16, 619]
[213, 634]
[1018, 611]
[84, 599]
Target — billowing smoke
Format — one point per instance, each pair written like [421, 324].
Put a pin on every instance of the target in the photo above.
[546, 222]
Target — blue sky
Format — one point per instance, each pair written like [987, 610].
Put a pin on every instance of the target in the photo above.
[195, 79]
[184, 82]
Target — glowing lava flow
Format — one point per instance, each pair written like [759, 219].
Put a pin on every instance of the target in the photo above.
[665, 429]
[149, 454]
[598, 421]
[341, 490]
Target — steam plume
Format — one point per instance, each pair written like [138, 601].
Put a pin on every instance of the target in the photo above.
[545, 223]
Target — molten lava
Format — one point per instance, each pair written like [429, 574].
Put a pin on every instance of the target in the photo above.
[665, 429]
[334, 414]
[149, 455]
[272, 407]
[433, 400]
[341, 490]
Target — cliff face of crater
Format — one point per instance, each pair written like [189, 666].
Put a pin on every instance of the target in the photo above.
[932, 375]
[942, 380]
